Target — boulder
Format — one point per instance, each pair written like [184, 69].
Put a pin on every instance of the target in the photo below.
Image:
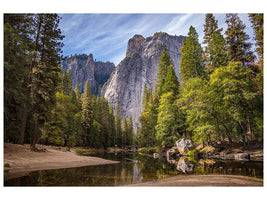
[184, 165]
[184, 145]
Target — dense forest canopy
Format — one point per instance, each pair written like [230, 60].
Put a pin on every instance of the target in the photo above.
[220, 96]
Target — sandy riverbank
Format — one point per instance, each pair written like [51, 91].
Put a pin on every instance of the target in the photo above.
[22, 160]
[203, 180]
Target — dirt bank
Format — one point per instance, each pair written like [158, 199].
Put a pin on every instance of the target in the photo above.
[203, 180]
[22, 160]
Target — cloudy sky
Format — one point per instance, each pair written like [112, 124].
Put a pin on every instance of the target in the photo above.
[106, 35]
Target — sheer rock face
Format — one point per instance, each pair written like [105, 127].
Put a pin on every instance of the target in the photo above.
[140, 66]
[83, 68]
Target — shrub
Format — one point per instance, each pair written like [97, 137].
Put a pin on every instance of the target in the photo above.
[6, 165]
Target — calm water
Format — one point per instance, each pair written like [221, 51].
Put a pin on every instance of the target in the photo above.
[133, 168]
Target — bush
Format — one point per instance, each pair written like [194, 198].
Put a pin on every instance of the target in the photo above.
[6, 165]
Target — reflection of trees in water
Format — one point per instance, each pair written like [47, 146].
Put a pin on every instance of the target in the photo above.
[128, 172]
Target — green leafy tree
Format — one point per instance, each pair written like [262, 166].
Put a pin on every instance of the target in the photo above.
[191, 64]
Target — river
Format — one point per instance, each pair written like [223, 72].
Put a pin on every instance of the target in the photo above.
[134, 168]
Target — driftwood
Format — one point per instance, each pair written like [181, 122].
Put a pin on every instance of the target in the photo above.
[37, 150]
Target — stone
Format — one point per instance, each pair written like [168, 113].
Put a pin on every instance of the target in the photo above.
[184, 165]
[126, 84]
[184, 145]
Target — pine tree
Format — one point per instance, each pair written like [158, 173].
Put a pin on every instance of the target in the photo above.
[87, 115]
[112, 126]
[118, 139]
[257, 24]
[167, 120]
[191, 64]
[124, 130]
[77, 93]
[67, 83]
[17, 62]
[45, 69]
[171, 83]
[210, 26]
[163, 66]
[130, 131]
[218, 51]
[237, 40]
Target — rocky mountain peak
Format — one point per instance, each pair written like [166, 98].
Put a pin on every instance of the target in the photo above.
[125, 85]
[134, 43]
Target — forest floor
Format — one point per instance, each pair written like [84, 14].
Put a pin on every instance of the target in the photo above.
[203, 180]
[22, 160]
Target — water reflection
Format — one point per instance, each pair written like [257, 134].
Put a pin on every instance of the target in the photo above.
[134, 168]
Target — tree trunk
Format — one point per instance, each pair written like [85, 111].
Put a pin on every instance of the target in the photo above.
[25, 115]
[35, 131]
[28, 91]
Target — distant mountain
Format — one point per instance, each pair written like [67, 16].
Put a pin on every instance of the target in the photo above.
[140, 66]
[83, 68]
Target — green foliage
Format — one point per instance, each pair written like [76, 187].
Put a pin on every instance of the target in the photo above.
[257, 24]
[237, 40]
[67, 83]
[118, 131]
[6, 165]
[191, 64]
[168, 122]
[87, 115]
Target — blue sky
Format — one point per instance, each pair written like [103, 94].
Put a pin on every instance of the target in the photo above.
[106, 35]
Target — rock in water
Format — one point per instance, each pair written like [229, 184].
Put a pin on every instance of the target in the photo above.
[184, 145]
[184, 165]
[83, 68]
[140, 66]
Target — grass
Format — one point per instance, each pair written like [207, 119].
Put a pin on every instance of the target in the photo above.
[85, 151]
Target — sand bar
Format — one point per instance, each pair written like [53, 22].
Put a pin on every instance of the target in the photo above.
[22, 160]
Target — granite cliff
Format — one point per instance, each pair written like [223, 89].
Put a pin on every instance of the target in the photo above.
[140, 66]
[83, 68]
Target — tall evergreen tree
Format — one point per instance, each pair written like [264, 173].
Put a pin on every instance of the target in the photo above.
[45, 69]
[191, 64]
[130, 131]
[124, 130]
[163, 66]
[77, 93]
[257, 24]
[210, 26]
[237, 40]
[118, 125]
[218, 52]
[171, 83]
[67, 83]
[87, 115]
[17, 62]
